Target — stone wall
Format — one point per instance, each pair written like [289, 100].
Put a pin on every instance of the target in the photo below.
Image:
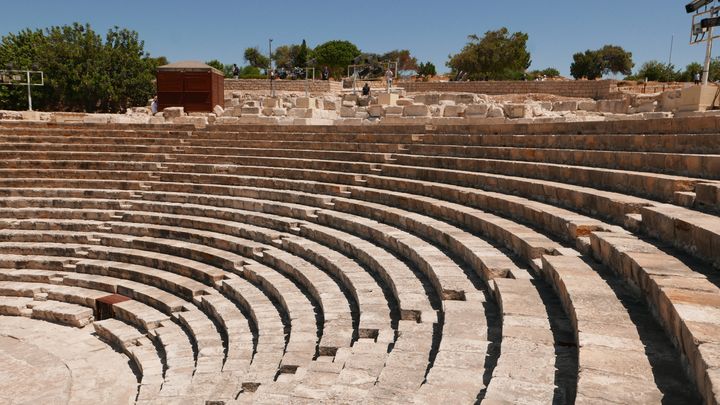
[599, 89]
[317, 86]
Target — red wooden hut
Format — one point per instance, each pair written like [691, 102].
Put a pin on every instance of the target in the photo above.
[190, 84]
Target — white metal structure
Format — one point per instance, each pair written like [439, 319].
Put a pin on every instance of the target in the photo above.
[698, 34]
[22, 78]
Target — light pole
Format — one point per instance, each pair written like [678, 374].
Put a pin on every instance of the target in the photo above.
[708, 57]
[272, 87]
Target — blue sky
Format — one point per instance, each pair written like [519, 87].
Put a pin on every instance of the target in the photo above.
[204, 30]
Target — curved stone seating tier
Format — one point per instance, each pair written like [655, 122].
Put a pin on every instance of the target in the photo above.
[443, 370]
[386, 265]
[684, 298]
[613, 342]
[660, 187]
[551, 391]
[49, 363]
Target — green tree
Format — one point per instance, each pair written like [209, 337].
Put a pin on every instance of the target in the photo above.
[82, 72]
[656, 71]
[336, 55]
[302, 56]
[251, 72]
[595, 64]
[588, 65]
[226, 69]
[284, 56]
[688, 74]
[426, 69]
[131, 71]
[406, 62]
[255, 58]
[497, 55]
[549, 73]
[20, 51]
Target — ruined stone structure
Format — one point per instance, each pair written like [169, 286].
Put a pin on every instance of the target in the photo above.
[510, 263]
[595, 89]
[314, 86]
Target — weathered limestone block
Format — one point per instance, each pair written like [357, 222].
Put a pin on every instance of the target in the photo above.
[10, 115]
[476, 110]
[363, 101]
[173, 112]
[613, 106]
[646, 107]
[494, 111]
[96, 119]
[275, 112]
[428, 98]
[416, 110]
[565, 106]
[388, 99]
[376, 111]
[329, 105]
[227, 121]
[219, 111]
[347, 112]
[393, 110]
[197, 121]
[250, 110]
[587, 105]
[404, 102]
[513, 110]
[306, 102]
[298, 113]
[350, 104]
[271, 102]
[455, 110]
[466, 98]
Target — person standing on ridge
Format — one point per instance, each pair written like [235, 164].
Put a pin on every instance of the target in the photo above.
[389, 75]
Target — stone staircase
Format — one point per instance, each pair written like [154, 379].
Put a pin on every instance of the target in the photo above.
[566, 263]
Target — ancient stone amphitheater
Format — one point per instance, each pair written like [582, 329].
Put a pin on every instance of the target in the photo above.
[529, 264]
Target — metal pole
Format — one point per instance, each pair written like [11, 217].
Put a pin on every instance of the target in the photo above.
[708, 57]
[29, 93]
[272, 87]
[307, 93]
[672, 41]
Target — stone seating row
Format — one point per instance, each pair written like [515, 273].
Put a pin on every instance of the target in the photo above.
[692, 143]
[58, 304]
[674, 164]
[125, 130]
[421, 290]
[661, 187]
[551, 390]
[187, 259]
[17, 304]
[176, 361]
[483, 355]
[653, 134]
[683, 295]
[50, 363]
